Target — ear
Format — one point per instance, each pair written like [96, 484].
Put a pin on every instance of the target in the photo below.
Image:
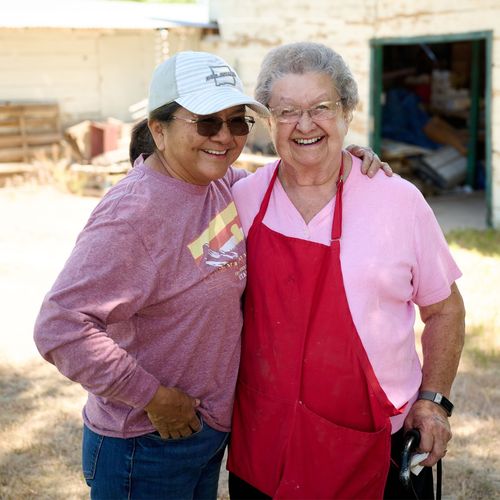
[157, 132]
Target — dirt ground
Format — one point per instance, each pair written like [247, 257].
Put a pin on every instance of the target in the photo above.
[38, 227]
[40, 421]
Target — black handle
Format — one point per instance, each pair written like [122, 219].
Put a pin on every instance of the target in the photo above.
[411, 442]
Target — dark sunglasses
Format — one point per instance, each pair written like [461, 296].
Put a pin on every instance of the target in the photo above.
[211, 125]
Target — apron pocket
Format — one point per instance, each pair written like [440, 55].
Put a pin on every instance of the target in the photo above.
[325, 460]
[257, 445]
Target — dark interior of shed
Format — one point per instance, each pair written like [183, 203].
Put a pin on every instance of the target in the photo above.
[433, 119]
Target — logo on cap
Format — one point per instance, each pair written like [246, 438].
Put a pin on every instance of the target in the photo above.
[222, 75]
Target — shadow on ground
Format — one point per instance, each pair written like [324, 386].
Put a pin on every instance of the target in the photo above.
[40, 434]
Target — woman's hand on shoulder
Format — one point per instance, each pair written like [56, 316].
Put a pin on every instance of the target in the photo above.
[371, 163]
[172, 413]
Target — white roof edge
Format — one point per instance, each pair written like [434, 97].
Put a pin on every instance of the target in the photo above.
[101, 14]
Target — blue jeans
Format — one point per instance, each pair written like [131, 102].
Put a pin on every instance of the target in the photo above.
[148, 467]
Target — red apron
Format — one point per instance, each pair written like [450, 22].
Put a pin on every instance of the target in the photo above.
[310, 418]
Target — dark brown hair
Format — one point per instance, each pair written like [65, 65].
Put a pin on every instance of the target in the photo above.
[141, 140]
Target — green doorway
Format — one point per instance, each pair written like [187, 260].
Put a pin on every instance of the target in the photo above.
[446, 78]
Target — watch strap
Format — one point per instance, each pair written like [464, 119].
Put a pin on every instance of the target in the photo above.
[439, 399]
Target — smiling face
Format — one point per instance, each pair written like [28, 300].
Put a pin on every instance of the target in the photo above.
[192, 157]
[308, 143]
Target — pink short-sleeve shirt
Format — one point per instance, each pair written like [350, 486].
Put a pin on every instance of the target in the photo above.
[393, 255]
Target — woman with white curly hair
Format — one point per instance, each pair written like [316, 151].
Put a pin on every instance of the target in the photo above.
[329, 376]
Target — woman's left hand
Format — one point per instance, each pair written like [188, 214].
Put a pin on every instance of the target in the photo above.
[434, 427]
[371, 162]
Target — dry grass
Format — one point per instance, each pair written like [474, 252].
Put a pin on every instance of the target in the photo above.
[40, 423]
[40, 436]
[472, 467]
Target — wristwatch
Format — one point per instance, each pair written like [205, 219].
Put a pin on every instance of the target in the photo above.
[439, 399]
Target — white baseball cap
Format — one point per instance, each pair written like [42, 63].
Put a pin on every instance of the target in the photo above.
[201, 82]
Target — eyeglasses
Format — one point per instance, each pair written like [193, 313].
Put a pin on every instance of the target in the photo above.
[322, 111]
[211, 125]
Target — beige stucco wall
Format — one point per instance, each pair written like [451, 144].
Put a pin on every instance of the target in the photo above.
[248, 28]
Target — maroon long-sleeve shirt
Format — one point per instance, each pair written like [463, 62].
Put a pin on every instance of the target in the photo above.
[150, 295]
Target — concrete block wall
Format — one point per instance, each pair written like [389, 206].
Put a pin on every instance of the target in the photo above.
[495, 129]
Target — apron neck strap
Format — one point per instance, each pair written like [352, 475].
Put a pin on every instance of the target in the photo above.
[337, 217]
[265, 202]
[337, 214]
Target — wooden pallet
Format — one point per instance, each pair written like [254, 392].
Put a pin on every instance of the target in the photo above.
[28, 129]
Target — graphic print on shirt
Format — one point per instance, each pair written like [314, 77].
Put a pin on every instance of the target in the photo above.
[216, 247]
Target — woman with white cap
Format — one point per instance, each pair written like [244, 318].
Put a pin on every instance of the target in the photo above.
[146, 313]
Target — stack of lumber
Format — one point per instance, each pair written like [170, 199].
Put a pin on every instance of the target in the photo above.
[403, 158]
[28, 129]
